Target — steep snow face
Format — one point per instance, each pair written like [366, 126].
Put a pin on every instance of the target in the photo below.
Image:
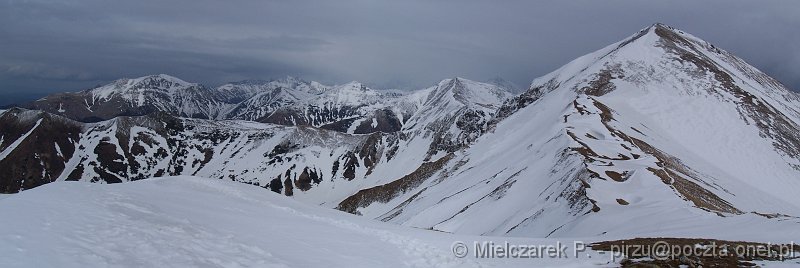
[467, 93]
[660, 127]
[710, 106]
[455, 112]
[258, 99]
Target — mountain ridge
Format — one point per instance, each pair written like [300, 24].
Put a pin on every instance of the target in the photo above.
[601, 143]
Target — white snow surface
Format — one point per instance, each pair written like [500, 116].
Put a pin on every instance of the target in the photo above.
[198, 222]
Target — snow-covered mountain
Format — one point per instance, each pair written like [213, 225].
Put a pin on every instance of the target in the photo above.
[656, 135]
[137, 96]
[455, 112]
[350, 108]
[288, 157]
[660, 127]
[163, 93]
[257, 99]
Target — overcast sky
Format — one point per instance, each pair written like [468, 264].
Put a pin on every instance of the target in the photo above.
[48, 46]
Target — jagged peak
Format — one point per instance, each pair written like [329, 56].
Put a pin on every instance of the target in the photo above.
[455, 81]
[156, 81]
[469, 92]
[460, 83]
[159, 78]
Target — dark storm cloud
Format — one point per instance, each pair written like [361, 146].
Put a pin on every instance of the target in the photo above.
[49, 46]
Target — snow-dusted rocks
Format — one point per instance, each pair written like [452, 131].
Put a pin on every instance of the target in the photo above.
[309, 138]
[34, 147]
[131, 97]
[350, 108]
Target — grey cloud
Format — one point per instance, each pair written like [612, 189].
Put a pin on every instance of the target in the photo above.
[45, 72]
[69, 45]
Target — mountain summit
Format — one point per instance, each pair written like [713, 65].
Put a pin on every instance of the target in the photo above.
[661, 126]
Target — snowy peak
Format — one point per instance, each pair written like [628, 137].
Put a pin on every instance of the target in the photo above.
[661, 64]
[250, 88]
[352, 94]
[456, 112]
[656, 53]
[660, 123]
[469, 93]
[353, 88]
[160, 82]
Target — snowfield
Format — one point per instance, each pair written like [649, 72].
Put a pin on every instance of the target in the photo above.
[197, 222]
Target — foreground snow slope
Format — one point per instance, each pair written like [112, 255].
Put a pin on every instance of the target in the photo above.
[199, 222]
